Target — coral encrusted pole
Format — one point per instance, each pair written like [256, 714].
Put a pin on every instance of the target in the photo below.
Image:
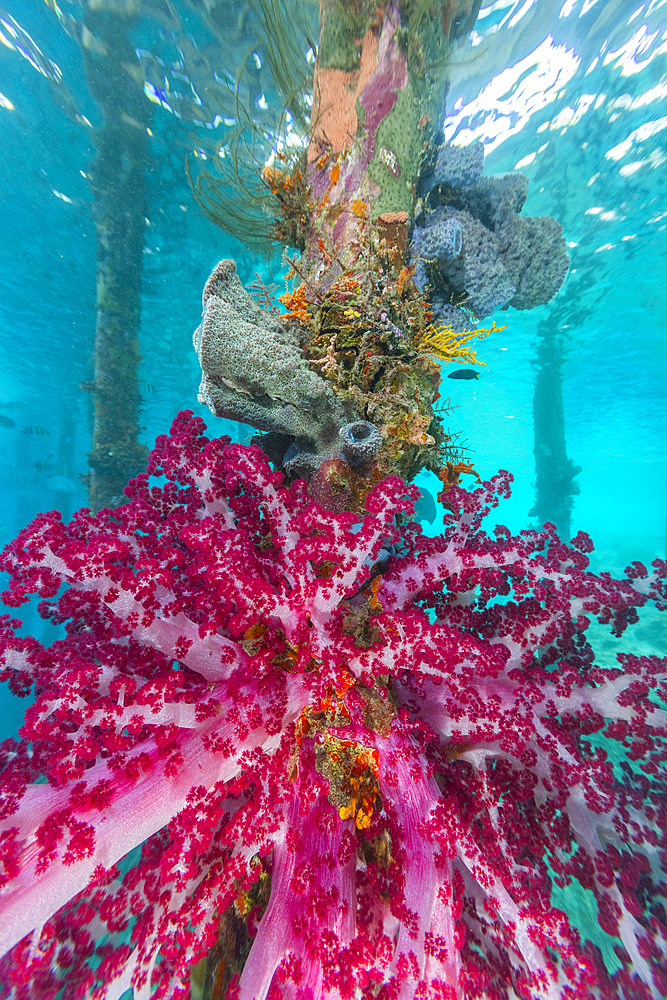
[379, 89]
[378, 97]
[287, 746]
[343, 383]
[117, 180]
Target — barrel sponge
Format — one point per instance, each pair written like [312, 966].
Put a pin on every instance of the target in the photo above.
[253, 369]
[458, 166]
[439, 242]
[443, 239]
[360, 442]
[498, 197]
[497, 257]
[484, 278]
[535, 256]
[476, 272]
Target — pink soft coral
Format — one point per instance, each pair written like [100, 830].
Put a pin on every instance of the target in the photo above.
[402, 755]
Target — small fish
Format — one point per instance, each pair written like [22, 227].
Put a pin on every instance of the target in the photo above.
[34, 431]
[14, 404]
[466, 373]
[6, 422]
[62, 484]
[425, 508]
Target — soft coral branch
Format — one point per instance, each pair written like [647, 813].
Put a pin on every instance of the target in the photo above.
[250, 691]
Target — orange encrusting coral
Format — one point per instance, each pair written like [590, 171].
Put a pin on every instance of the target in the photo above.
[278, 181]
[374, 601]
[296, 305]
[334, 175]
[351, 769]
[335, 120]
[450, 474]
[364, 787]
[404, 279]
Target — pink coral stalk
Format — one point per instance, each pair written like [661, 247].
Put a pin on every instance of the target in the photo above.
[242, 698]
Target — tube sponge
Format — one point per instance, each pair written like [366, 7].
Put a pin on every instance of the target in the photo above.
[361, 442]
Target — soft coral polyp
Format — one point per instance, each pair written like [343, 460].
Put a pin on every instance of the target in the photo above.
[241, 695]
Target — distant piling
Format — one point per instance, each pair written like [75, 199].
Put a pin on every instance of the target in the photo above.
[555, 488]
[118, 183]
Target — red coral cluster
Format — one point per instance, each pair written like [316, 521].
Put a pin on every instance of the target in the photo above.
[400, 733]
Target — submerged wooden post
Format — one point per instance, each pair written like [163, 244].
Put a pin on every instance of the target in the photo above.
[378, 99]
[555, 488]
[117, 180]
[378, 94]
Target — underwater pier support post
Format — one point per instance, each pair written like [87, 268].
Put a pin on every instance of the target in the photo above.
[379, 92]
[555, 488]
[118, 183]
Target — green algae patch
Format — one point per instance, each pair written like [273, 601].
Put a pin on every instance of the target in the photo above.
[398, 153]
[343, 31]
[421, 37]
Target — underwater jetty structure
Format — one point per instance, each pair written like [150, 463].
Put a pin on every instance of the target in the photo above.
[285, 745]
[382, 211]
[555, 488]
[118, 183]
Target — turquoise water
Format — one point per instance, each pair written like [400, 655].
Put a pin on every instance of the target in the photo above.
[573, 93]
